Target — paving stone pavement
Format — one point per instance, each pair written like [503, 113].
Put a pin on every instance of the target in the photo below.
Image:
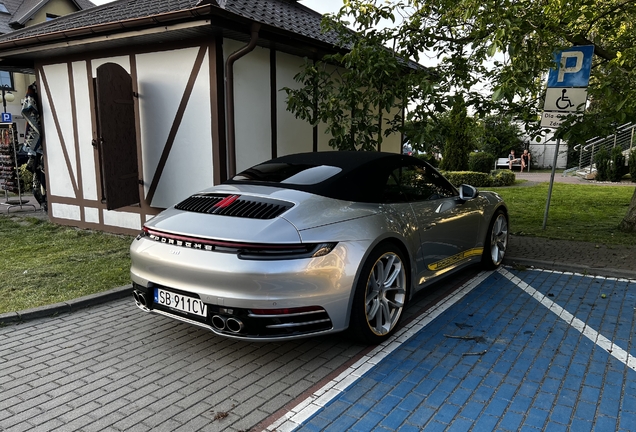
[114, 368]
[522, 350]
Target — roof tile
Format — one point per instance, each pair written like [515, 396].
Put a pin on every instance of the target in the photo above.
[288, 15]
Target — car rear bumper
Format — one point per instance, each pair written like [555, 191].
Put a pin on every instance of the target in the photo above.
[234, 288]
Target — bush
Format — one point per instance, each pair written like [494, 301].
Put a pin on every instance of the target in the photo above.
[632, 165]
[476, 179]
[502, 178]
[481, 162]
[495, 178]
[617, 167]
[602, 161]
[26, 179]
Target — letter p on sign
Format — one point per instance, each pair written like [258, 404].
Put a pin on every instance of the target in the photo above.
[578, 65]
[575, 65]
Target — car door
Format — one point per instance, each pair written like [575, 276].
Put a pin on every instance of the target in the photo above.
[447, 225]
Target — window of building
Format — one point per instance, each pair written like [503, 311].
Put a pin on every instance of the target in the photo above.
[6, 80]
[50, 17]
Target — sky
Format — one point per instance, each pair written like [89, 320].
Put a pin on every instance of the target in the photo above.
[322, 6]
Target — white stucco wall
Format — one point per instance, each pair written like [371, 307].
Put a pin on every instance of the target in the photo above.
[162, 79]
[123, 61]
[85, 130]
[59, 178]
[122, 219]
[252, 103]
[66, 211]
[294, 135]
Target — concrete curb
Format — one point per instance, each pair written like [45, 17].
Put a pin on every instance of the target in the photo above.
[66, 307]
[573, 268]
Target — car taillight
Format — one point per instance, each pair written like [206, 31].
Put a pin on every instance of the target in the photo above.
[246, 251]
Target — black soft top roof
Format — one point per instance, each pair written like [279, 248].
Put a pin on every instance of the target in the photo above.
[361, 179]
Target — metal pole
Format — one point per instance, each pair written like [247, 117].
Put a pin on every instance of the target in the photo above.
[547, 204]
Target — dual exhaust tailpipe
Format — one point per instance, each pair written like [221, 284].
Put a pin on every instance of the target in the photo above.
[220, 323]
[231, 324]
[140, 300]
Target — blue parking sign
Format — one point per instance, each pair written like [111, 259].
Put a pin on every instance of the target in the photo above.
[575, 65]
[7, 118]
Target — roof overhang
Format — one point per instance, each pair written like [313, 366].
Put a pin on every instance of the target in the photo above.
[208, 20]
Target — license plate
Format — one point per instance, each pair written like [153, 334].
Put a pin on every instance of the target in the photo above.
[180, 302]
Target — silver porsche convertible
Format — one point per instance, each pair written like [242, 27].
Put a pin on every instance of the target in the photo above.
[313, 243]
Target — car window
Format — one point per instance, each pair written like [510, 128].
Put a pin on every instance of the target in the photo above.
[411, 182]
[296, 174]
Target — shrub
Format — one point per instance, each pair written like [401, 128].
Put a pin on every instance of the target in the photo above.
[495, 178]
[26, 179]
[502, 178]
[632, 165]
[481, 162]
[602, 161]
[617, 167]
[469, 177]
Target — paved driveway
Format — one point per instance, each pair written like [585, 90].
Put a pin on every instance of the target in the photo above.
[506, 350]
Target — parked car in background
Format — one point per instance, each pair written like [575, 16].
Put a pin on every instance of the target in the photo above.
[314, 243]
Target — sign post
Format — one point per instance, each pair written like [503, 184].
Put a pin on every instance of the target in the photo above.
[566, 95]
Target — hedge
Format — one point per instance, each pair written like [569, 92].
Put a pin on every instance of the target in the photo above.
[495, 178]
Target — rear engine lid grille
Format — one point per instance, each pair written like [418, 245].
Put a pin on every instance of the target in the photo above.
[235, 205]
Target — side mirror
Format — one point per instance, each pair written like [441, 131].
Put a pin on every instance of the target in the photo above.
[467, 192]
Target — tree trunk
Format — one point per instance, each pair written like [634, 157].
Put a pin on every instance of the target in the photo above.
[629, 221]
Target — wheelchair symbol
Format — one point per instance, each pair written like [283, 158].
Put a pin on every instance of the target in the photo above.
[564, 102]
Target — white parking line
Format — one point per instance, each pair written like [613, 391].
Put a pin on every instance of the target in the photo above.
[614, 350]
[321, 397]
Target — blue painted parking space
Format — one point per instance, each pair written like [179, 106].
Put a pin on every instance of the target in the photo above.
[513, 350]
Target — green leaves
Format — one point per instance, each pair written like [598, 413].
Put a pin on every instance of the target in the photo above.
[496, 53]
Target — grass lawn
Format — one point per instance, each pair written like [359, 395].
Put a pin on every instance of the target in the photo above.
[43, 263]
[588, 213]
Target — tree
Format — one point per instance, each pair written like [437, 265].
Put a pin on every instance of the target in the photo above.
[361, 92]
[496, 54]
[459, 141]
[500, 134]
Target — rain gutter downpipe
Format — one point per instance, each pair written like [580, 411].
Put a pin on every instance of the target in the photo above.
[229, 97]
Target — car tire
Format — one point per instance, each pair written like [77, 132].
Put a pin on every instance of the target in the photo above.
[380, 295]
[496, 241]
